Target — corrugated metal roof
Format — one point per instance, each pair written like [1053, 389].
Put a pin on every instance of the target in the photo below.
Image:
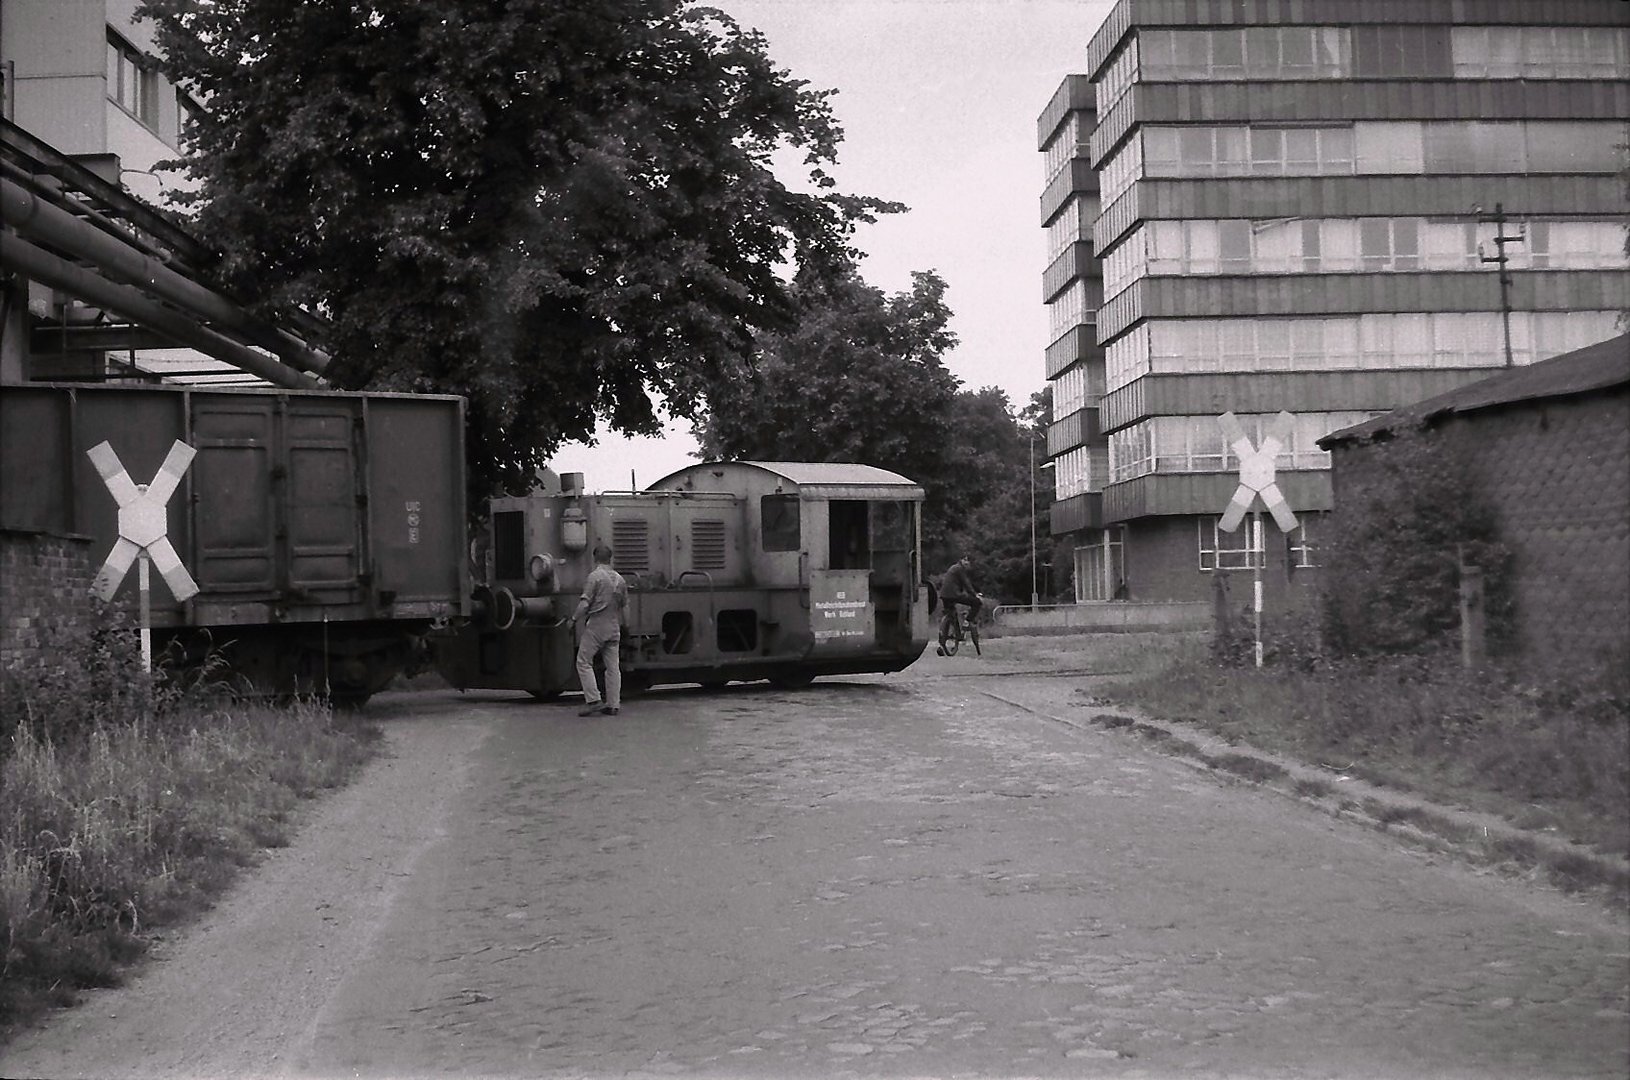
[818, 473]
[1595, 367]
[833, 478]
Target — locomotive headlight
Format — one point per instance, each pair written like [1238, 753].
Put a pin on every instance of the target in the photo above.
[540, 568]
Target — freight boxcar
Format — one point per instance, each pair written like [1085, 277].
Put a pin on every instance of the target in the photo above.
[325, 530]
[740, 570]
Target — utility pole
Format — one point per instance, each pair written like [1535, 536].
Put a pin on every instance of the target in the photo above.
[1033, 597]
[1497, 219]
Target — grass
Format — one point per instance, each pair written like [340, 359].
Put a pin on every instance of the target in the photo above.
[1545, 755]
[128, 803]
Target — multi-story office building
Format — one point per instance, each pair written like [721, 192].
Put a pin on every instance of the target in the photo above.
[1309, 207]
[87, 120]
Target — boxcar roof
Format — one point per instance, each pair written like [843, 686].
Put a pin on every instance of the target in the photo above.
[1583, 371]
[829, 479]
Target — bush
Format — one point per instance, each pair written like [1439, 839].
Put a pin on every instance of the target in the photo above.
[1407, 517]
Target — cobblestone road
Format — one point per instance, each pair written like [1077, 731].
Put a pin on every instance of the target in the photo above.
[918, 875]
[907, 877]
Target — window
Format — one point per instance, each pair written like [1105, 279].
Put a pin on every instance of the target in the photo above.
[1069, 309]
[1257, 53]
[1117, 77]
[1248, 151]
[1540, 52]
[1070, 391]
[1241, 549]
[1100, 567]
[509, 545]
[778, 518]
[1302, 550]
[1071, 225]
[132, 80]
[1366, 342]
[1124, 166]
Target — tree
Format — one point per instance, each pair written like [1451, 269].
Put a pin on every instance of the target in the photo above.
[859, 377]
[998, 531]
[862, 378]
[557, 208]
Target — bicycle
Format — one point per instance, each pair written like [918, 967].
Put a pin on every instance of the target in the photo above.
[953, 628]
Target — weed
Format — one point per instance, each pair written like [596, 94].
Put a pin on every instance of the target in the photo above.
[1313, 789]
[129, 802]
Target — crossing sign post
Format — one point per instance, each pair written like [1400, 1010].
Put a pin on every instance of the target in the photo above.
[143, 523]
[1256, 479]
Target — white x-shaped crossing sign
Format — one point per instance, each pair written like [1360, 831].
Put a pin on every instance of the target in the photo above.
[142, 520]
[1256, 468]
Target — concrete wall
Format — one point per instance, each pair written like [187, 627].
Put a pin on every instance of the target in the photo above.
[1103, 617]
[1163, 565]
[45, 582]
[59, 48]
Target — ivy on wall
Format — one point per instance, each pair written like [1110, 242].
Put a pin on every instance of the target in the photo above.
[1407, 516]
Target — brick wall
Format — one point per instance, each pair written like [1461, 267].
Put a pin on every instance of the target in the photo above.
[1163, 564]
[1558, 474]
[45, 583]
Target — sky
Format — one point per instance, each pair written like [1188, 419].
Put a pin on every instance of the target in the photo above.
[938, 101]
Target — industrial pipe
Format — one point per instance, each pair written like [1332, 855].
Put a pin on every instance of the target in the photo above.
[40, 265]
[37, 218]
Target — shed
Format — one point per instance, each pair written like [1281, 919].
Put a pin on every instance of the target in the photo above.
[1548, 445]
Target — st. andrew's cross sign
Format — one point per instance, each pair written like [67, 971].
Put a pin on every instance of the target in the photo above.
[1256, 472]
[143, 520]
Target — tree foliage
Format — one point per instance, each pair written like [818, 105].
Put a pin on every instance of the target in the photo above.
[1007, 532]
[862, 377]
[1407, 516]
[558, 208]
[859, 376]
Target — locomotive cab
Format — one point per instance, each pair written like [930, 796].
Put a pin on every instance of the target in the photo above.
[736, 571]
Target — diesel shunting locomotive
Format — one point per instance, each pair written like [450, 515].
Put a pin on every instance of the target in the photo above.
[738, 570]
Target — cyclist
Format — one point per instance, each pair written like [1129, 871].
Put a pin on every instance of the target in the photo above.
[957, 587]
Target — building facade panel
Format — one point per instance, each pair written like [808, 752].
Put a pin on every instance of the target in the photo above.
[1267, 103]
[1266, 392]
[1175, 297]
[1083, 511]
[1462, 197]
[1205, 493]
[1075, 261]
[1078, 178]
[1073, 95]
[1075, 345]
[1186, 13]
[1077, 429]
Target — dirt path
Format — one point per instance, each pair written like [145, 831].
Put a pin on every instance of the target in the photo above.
[226, 996]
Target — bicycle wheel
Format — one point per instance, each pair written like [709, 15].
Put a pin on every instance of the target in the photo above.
[951, 631]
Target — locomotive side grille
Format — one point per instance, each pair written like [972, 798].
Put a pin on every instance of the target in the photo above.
[630, 546]
[707, 544]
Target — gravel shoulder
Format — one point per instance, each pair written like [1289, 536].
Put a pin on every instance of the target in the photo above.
[229, 996]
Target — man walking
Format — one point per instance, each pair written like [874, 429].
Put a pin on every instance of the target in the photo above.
[599, 623]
